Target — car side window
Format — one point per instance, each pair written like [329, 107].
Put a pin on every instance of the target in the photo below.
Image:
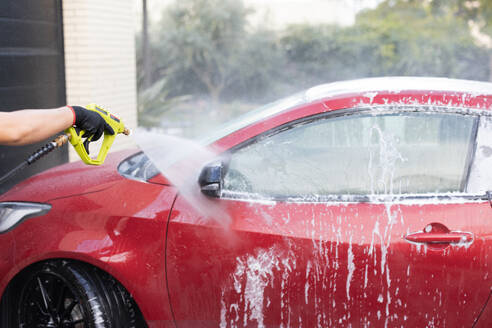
[405, 153]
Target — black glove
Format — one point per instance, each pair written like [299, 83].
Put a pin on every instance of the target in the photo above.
[91, 122]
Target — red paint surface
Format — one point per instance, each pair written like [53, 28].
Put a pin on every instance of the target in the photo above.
[118, 225]
[306, 249]
[406, 284]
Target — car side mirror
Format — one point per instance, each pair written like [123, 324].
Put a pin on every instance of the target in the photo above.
[210, 179]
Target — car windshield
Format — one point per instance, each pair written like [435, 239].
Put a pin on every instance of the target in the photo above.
[252, 117]
[366, 87]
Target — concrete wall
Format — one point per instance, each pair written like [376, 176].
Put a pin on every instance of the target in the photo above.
[100, 66]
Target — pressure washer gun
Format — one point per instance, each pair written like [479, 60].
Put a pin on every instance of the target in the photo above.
[82, 147]
[75, 135]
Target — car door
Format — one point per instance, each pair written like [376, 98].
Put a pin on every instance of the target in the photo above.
[352, 218]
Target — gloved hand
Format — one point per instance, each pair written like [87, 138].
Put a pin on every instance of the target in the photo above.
[91, 122]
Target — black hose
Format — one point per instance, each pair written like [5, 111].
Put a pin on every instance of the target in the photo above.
[13, 172]
[31, 159]
[41, 152]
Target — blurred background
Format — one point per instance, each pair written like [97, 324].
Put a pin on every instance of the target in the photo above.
[182, 67]
[200, 62]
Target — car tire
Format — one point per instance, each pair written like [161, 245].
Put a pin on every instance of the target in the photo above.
[71, 294]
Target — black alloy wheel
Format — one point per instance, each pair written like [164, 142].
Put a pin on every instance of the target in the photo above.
[49, 301]
[65, 294]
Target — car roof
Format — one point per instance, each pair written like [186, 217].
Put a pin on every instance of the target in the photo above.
[368, 87]
[398, 84]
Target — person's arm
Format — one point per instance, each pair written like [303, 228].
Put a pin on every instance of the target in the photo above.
[28, 126]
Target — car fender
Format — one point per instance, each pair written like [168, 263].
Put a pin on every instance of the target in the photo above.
[120, 233]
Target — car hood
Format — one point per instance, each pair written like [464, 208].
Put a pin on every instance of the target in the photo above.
[68, 180]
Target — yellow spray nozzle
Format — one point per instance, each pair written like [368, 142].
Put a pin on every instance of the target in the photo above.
[76, 135]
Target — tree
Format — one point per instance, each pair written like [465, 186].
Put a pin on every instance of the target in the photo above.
[207, 47]
[417, 40]
[204, 37]
[478, 13]
[260, 66]
[396, 38]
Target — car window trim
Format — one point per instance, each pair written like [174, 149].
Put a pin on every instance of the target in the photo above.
[373, 199]
[471, 154]
[347, 198]
[379, 109]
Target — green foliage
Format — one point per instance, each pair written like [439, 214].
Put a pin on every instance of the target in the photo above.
[206, 47]
[413, 40]
[478, 11]
[205, 39]
[260, 65]
[397, 38]
[154, 102]
[314, 53]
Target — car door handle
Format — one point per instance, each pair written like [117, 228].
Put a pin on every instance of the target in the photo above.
[451, 237]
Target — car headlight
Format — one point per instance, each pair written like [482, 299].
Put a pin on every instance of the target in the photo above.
[13, 213]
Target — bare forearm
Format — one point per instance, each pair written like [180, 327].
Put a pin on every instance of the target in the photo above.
[29, 126]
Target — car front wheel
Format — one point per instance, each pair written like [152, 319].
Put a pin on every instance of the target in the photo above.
[63, 294]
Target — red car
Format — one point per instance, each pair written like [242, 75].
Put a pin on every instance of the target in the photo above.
[354, 204]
